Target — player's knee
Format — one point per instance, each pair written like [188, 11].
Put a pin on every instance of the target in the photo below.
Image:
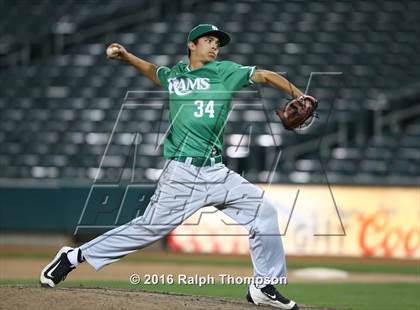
[268, 210]
[266, 220]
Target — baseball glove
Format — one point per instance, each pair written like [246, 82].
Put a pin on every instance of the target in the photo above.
[298, 112]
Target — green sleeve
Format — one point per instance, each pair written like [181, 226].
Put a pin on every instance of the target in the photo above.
[162, 74]
[235, 76]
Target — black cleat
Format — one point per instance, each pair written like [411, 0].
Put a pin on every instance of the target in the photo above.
[57, 270]
[270, 296]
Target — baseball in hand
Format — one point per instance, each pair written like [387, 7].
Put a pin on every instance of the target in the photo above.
[112, 51]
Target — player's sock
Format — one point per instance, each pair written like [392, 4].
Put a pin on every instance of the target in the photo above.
[75, 257]
[80, 256]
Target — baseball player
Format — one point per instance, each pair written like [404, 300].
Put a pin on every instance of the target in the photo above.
[194, 176]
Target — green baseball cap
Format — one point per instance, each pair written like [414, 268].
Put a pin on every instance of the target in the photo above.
[208, 29]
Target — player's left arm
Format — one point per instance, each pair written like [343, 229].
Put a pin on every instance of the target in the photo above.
[277, 81]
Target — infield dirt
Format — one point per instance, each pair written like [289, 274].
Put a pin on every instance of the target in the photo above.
[29, 297]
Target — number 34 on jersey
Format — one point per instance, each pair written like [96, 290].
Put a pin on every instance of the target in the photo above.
[204, 108]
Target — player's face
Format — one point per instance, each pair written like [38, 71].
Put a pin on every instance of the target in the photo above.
[207, 48]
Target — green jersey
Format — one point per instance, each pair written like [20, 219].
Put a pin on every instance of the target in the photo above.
[199, 104]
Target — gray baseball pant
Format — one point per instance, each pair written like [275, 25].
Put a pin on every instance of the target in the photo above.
[182, 190]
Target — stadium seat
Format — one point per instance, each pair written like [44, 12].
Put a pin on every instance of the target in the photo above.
[58, 108]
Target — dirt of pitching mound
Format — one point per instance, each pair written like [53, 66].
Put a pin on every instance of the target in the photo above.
[29, 297]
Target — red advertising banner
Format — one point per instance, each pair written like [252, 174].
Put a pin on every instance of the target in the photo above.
[318, 220]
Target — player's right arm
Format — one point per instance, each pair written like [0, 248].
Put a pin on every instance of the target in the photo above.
[146, 68]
